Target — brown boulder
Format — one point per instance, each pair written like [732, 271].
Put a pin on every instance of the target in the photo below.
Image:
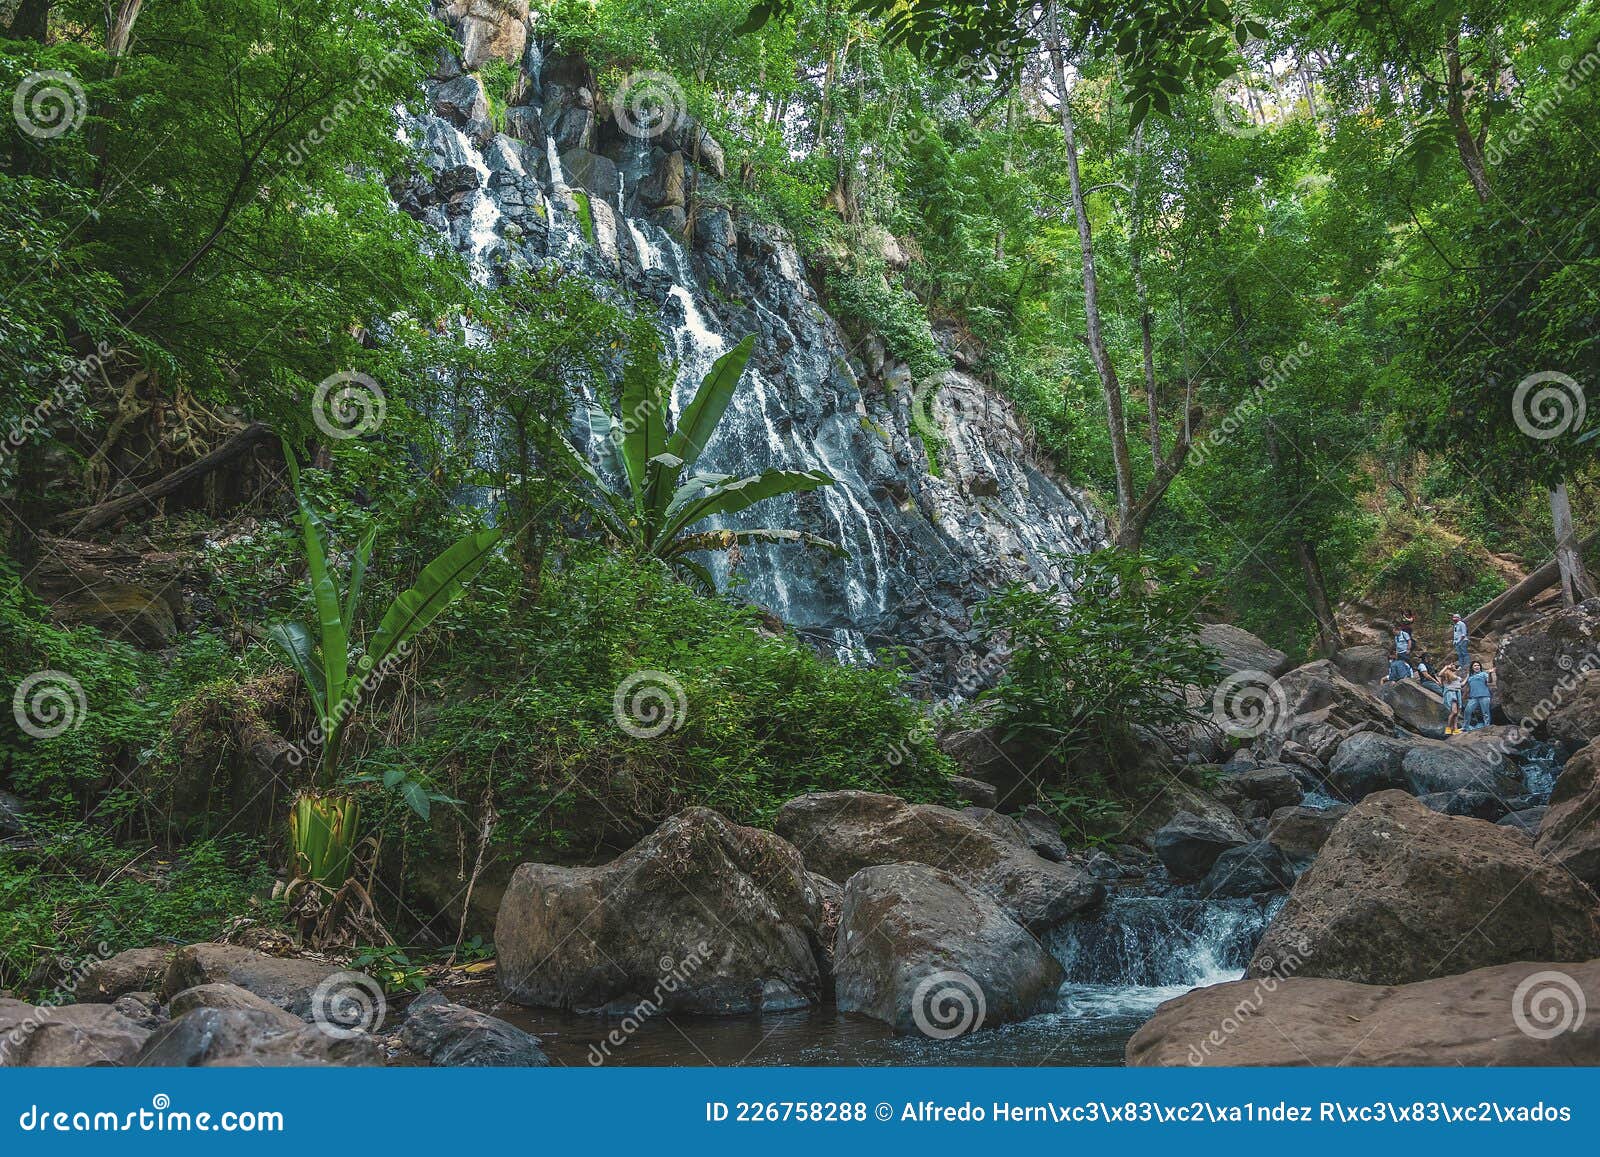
[136, 970]
[1401, 893]
[1482, 1017]
[1239, 650]
[289, 982]
[1301, 831]
[841, 832]
[70, 1035]
[1540, 665]
[1569, 833]
[702, 915]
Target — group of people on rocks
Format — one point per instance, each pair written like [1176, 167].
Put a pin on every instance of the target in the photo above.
[1465, 686]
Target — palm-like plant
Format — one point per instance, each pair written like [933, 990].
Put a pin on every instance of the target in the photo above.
[653, 511]
[323, 823]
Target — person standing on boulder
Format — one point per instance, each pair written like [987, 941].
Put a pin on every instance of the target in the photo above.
[1478, 696]
[1402, 641]
[1458, 636]
[1451, 678]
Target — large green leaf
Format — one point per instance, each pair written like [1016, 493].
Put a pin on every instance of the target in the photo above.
[302, 652]
[440, 583]
[701, 416]
[644, 424]
[611, 508]
[358, 575]
[741, 493]
[325, 593]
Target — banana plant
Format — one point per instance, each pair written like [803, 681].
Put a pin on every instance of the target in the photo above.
[324, 823]
[661, 496]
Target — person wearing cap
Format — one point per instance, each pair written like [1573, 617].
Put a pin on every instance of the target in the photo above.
[1458, 636]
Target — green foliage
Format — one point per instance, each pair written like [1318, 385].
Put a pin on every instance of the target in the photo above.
[1082, 677]
[76, 896]
[391, 966]
[536, 723]
[865, 294]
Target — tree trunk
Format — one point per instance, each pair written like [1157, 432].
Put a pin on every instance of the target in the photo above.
[1456, 110]
[1576, 585]
[1095, 336]
[1538, 581]
[31, 21]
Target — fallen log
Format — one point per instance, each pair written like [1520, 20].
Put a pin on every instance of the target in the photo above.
[94, 517]
[1537, 582]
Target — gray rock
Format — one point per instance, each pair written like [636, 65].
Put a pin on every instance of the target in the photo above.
[1364, 664]
[1416, 708]
[1569, 833]
[1257, 792]
[245, 1037]
[135, 970]
[975, 791]
[1539, 666]
[1189, 844]
[228, 996]
[924, 951]
[451, 1034]
[1528, 820]
[845, 831]
[702, 915]
[1460, 764]
[66, 1036]
[1248, 870]
[1480, 805]
[11, 809]
[1367, 762]
[1242, 651]
[288, 982]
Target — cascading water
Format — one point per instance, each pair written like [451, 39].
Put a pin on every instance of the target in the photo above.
[923, 541]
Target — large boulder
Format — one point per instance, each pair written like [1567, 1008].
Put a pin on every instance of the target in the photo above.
[1239, 650]
[923, 950]
[1400, 893]
[1301, 831]
[228, 996]
[702, 915]
[1366, 762]
[250, 1037]
[489, 30]
[1508, 1014]
[1415, 707]
[1434, 765]
[452, 1034]
[842, 832]
[1575, 720]
[68, 1035]
[1539, 665]
[1014, 771]
[289, 982]
[1569, 833]
[135, 970]
[1189, 844]
[1365, 663]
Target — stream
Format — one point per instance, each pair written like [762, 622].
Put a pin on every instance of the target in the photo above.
[1122, 962]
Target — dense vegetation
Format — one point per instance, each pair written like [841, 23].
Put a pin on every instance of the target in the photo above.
[1268, 282]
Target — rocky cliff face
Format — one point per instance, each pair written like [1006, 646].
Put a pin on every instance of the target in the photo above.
[635, 204]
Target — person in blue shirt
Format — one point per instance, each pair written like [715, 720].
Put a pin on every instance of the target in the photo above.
[1458, 636]
[1399, 669]
[1478, 687]
[1402, 643]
